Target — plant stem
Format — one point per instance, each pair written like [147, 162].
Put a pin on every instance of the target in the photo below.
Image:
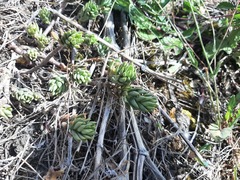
[200, 37]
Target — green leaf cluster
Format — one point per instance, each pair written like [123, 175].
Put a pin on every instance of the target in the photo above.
[104, 5]
[32, 54]
[82, 129]
[72, 38]
[90, 39]
[45, 15]
[34, 31]
[122, 74]
[42, 40]
[101, 48]
[231, 118]
[225, 6]
[141, 100]
[26, 96]
[228, 45]
[58, 85]
[81, 76]
[219, 134]
[172, 44]
[146, 16]
[6, 111]
[90, 11]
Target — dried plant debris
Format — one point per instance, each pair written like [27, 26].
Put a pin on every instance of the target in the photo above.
[53, 174]
[113, 89]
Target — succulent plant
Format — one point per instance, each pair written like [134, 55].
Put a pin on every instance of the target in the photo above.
[103, 49]
[82, 129]
[33, 29]
[122, 74]
[57, 85]
[72, 38]
[81, 76]
[90, 39]
[26, 96]
[42, 40]
[89, 12]
[140, 99]
[45, 15]
[6, 111]
[32, 54]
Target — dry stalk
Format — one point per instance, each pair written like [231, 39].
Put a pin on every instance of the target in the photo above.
[45, 61]
[5, 77]
[126, 33]
[143, 153]
[18, 50]
[99, 150]
[21, 159]
[68, 162]
[122, 138]
[109, 30]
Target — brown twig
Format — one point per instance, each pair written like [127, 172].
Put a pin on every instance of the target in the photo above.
[122, 133]
[45, 61]
[18, 50]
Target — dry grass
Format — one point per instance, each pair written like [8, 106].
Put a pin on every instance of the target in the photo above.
[35, 143]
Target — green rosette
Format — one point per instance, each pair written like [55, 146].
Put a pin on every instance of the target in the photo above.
[32, 54]
[72, 39]
[122, 74]
[33, 29]
[45, 15]
[90, 11]
[58, 85]
[81, 76]
[82, 129]
[140, 99]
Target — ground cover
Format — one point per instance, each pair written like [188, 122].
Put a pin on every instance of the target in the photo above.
[119, 89]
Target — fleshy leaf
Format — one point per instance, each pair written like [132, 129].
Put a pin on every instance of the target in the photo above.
[225, 6]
